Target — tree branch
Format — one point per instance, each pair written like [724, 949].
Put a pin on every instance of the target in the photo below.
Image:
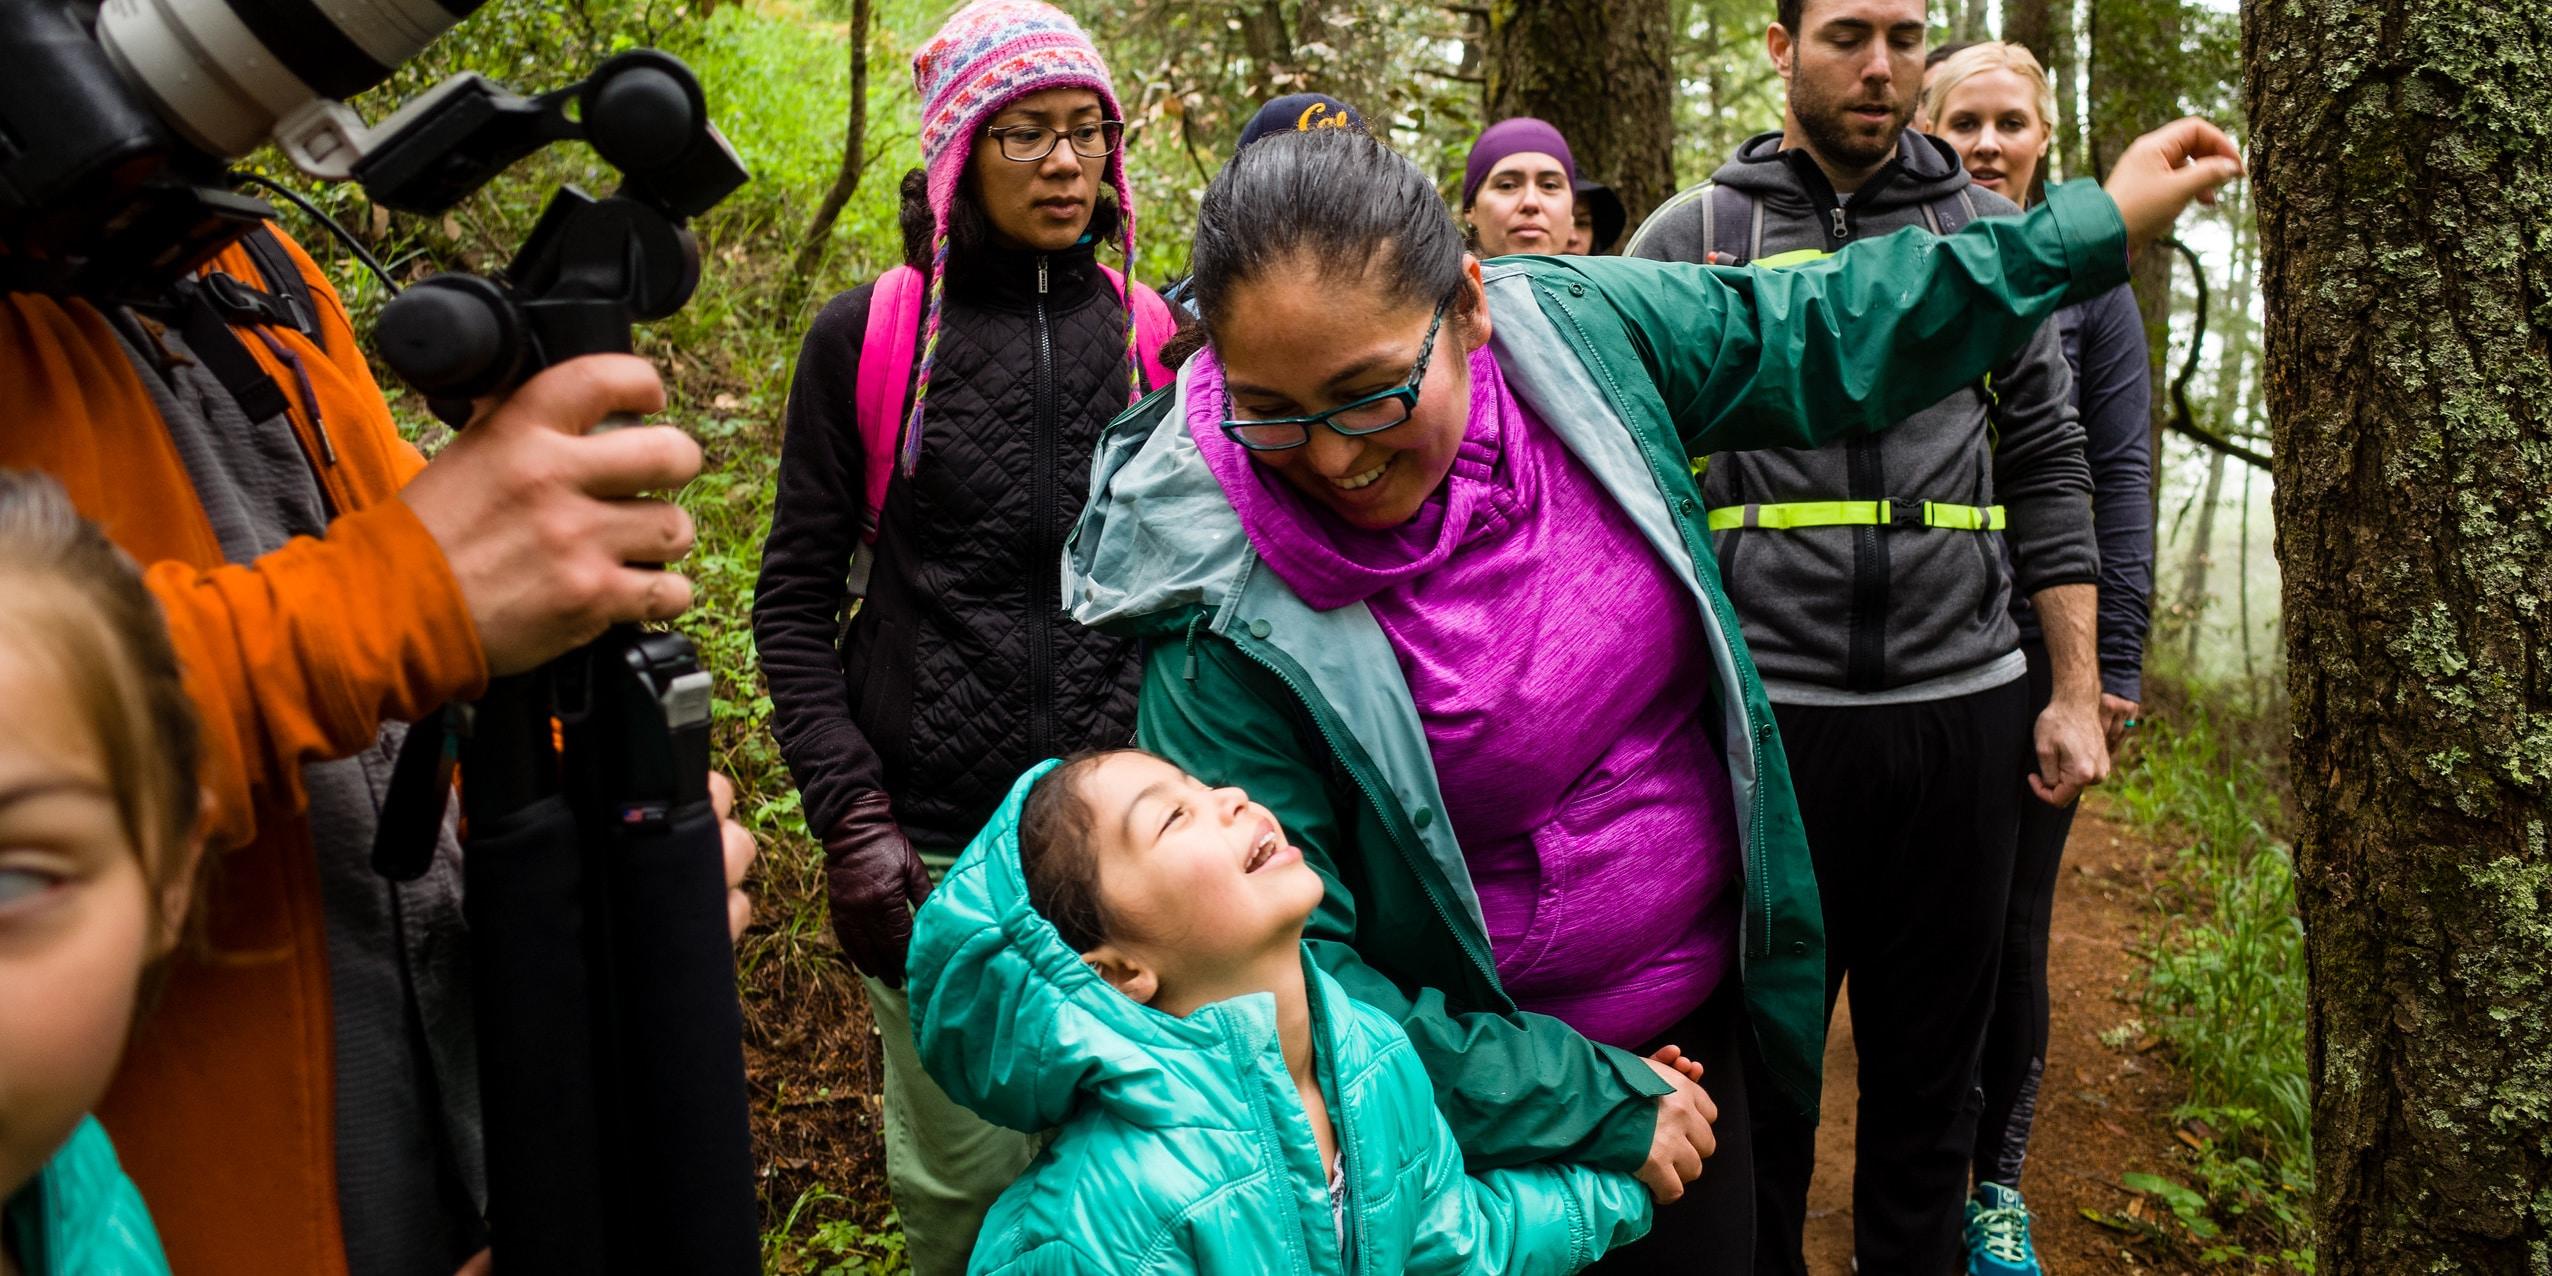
[2188, 429]
[819, 232]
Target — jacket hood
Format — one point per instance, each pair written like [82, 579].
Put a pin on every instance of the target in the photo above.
[1924, 170]
[1158, 539]
[1013, 1026]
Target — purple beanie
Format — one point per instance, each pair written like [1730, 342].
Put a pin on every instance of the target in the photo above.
[986, 56]
[1517, 136]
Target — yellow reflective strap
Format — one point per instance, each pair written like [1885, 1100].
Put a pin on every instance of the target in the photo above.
[1794, 514]
[1790, 515]
[1795, 257]
[1964, 518]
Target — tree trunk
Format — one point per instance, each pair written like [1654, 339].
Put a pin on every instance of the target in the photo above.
[2201, 556]
[1971, 23]
[2031, 24]
[846, 182]
[2135, 76]
[2228, 420]
[2066, 67]
[2404, 175]
[1604, 75]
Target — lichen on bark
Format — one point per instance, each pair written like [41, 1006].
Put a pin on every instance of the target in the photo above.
[2403, 177]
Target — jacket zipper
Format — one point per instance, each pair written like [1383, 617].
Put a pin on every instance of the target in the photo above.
[1350, 1162]
[1042, 542]
[1373, 798]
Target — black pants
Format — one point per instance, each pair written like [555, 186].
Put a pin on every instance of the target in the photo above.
[2016, 1037]
[1910, 813]
[1711, 1228]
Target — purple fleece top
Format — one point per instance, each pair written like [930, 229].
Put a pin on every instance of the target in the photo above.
[1561, 674]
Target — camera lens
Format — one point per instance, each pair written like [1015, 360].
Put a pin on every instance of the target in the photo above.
[224, 72]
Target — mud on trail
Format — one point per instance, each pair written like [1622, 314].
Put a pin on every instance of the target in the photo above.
[2103, 1110]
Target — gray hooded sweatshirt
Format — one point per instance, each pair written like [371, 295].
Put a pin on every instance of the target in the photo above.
[1866, 614]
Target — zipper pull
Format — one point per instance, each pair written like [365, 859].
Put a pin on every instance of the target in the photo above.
[1842, 228]
[1041, 276]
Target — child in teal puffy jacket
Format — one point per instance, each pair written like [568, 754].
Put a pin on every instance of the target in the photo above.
[98, 842]
[1118, 957]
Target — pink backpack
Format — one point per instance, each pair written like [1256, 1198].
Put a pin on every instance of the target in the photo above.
[889, 350]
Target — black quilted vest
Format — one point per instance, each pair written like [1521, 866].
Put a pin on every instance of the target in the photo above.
[962, 668]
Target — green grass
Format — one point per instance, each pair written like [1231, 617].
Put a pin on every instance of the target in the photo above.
[2225, 992]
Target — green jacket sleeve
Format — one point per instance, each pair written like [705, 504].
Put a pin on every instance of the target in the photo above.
[1800, 356]
[1533, 1220]
[1517, 1087]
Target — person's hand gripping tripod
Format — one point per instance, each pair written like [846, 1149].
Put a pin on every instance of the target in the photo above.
[609, 1035]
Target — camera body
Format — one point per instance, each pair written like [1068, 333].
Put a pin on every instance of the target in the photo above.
[116, 121]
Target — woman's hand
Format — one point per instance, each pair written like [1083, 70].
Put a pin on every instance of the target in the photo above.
[1683, 1139]
[2163, 170]
[2167, 167]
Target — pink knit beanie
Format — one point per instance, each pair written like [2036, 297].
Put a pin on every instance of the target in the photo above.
[986, 56]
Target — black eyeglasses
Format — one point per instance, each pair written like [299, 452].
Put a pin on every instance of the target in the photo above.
[1029, 143]
[1371, 414]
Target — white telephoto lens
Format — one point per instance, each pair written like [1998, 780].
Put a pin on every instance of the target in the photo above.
[223, 72]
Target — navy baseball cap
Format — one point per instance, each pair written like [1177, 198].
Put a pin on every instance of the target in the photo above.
[1301, 113]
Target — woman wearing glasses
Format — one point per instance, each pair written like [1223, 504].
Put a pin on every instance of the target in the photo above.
[1000, 350]
[1425, 572]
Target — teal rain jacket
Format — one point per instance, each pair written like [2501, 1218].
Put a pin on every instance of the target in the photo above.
[1180, 1145]
[80, 1216]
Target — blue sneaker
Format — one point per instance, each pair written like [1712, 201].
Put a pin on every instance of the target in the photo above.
[1998, 1234]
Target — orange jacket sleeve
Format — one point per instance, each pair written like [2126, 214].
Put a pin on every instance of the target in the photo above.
[302, 654]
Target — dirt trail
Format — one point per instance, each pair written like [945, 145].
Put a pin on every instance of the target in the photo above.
[2102, 1111]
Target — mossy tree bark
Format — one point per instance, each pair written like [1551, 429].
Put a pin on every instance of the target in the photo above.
[1603, 74]
[2403, 159]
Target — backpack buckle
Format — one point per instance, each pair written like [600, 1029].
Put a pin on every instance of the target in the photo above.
[1904, 512]
[237, 303]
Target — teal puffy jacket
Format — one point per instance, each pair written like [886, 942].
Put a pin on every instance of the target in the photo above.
[1180, 1145]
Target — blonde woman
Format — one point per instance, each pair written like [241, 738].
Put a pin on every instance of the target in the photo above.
[1992, 104]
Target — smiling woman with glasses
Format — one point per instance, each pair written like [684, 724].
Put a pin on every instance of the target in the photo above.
[1450, 614]
[1370, 414]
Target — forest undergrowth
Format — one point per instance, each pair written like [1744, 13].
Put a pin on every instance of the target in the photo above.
[2224, 988]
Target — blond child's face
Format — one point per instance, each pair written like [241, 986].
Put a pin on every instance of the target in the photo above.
[1197, 882]
[78, 921]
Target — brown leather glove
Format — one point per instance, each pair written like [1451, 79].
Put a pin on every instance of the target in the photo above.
[873, 881]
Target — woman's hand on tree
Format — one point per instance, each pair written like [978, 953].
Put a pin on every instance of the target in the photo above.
[2163, 170]
[1683, 1139]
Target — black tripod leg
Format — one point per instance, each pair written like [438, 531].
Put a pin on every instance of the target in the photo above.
[525, 901]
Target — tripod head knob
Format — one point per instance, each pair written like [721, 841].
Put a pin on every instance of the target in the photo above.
[453, 337]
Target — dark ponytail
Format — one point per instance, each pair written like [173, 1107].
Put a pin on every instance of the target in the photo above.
[1332, 202]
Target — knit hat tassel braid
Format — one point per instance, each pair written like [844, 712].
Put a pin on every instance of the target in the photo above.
[988, 55]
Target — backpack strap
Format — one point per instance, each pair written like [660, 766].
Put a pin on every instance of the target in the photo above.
[213, 305]
[891, 343]
[1153, 325]
[886, 354]
[1951, 213]
[1726, 209]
